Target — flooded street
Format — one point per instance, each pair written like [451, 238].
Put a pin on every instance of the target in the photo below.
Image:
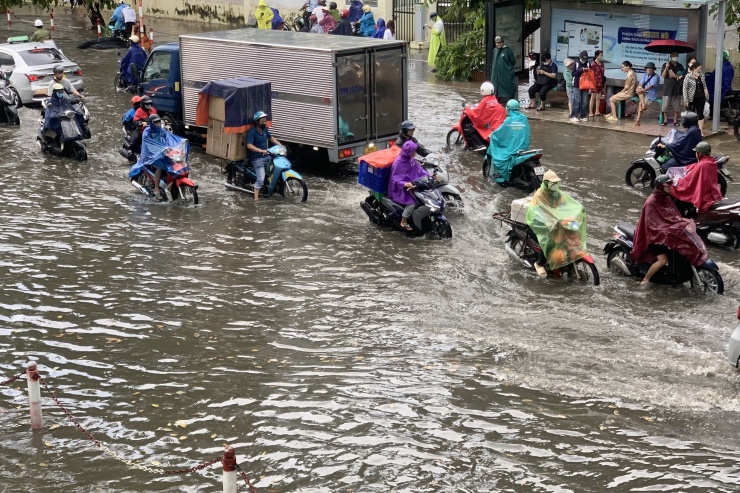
[335, 355]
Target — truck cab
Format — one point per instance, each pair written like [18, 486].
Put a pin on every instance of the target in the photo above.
[160, 80]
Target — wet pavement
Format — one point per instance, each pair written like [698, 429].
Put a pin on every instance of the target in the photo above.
[337, 356]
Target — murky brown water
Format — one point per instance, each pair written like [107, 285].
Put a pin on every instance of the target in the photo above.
[336, 356]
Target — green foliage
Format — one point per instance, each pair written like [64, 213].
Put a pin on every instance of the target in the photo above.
[48, 4]
[458, 59]
[732, 13]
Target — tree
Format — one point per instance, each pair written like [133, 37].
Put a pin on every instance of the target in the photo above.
[732, 14]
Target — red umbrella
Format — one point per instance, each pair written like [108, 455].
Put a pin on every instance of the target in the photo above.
[668, 46]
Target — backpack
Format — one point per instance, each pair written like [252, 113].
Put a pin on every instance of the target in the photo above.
[587, 82]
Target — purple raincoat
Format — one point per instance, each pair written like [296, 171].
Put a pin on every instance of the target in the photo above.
[403, 170]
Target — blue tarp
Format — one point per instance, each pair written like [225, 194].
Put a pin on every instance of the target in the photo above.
[243, 97]
[68, 130]
[506, 140]
[155, 145]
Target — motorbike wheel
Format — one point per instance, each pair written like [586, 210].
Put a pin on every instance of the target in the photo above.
[455, 139]
[170, 124]
[294, 189]
[454, 202]
[737, 129]
[722, 184]
[441, 229]
[486, 168]
[640, 175]
[533, 181]
[619, 262]
[18, 102]
[712, 281]
[79, 153]
[585, 272]
[189, 194]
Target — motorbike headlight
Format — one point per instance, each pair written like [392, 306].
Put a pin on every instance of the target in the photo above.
[282, 151]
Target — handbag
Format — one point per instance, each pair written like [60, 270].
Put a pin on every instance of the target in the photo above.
[587, 82]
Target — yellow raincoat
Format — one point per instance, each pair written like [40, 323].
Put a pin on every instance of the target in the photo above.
[438, 40]
[264, 16]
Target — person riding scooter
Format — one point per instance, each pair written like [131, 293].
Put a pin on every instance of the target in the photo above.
[133, 62]
[482, 119]
[404, 171]
[506, 141]
[661, 228]
[156, 132]
[258, 141]
[406, 134]
[59, 78]
[697, 183]
[682, 148]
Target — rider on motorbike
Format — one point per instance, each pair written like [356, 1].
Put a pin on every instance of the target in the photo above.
[156, 132]
[66, 84]
[116, 18]
[506, 141]
[697, 183]
[559, 222]
[133, 62]
[344, 28]
[482, 119]
[128, 118]
[682, 148]
[258, 141]
[407, 134]
[404, 171]
[661, 228]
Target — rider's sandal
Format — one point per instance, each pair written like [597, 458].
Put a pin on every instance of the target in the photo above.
[158, 197]
[407, 227]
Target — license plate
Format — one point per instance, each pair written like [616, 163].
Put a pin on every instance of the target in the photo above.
[368, 150]
[539, 171]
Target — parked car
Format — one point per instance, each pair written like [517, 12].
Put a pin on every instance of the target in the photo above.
[32, 66]
[733, 354]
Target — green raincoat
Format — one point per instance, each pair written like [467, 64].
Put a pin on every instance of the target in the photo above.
[559, 222]
[502, 73]
[438, 40]
[264, 16]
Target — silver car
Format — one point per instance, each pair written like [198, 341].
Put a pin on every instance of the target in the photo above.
[733, 354]
[32, 66]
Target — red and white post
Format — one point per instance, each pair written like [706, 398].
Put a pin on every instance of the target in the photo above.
[229, 463]
[34, 394]
[142, 28]
[151, 38]
[100, 31]
[51, 19]
[9, 21]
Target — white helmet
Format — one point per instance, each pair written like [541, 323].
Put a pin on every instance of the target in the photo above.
[486, 89]
[38, 23]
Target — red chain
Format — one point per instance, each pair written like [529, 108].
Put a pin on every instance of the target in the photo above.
[244, 476]
[8, 382]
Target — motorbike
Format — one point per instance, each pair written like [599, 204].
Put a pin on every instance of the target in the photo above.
[8, 102]
[521, 244]
[678, 270]
[119, 81]
[642, 172]
[427, 219]
[131, 147]
[719, 225]
[451, 194]
[456, 135]
[175, 185]
[71, 129]
[279, 177]
[526, 174]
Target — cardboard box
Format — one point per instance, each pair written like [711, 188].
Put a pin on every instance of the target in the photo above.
[519, 209]
[217, 108]
[228, 146]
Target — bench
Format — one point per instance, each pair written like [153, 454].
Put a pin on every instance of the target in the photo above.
[636, 99]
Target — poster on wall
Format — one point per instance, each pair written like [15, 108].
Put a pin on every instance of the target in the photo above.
[620, 36]
[509, 26]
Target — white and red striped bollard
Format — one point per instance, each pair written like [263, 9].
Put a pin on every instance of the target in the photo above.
[9, 21]
[34, 394]
[142, 28]
[51, 20]
[151, 38]
[100, 32]
[229, 465]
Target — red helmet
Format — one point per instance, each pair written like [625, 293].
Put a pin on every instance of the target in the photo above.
[344, 13]
[135, 100]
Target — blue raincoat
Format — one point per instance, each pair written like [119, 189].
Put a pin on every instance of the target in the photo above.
[276, 19]
[510, 137]
[380, 31]
[155, 144]
[117, 18]
[355, 11]
[135, 56]
[728, 73]
[367, 25]
[67, 130]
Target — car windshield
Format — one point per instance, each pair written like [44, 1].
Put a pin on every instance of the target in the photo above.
[41, 56]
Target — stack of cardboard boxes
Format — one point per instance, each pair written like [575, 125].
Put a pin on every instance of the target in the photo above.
[225, 145]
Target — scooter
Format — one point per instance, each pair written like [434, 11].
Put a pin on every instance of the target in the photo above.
[642, 172]
[175, 185]
[119, 81]
[131, 147]
[521, 244]
[427, 218]
[451, 194]
[279, 176]
[69, 129]
[526, 174]
[456, 135]
[8, 102]
[719, 225]
[678, 270]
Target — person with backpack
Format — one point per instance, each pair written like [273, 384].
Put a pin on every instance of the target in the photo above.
[647, 89]
[581, 88]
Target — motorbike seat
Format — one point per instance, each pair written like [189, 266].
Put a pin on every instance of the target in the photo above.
[627, 229]
[725, 204]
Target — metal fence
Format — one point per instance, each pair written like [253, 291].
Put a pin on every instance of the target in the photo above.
[453, 27]
[403, 16]
[529, 41]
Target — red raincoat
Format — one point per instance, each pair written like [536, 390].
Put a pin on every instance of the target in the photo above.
[698, 185]
[661, 223]
[486, 116]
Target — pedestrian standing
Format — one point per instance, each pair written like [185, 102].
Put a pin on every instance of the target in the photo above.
[40, 34]
[502, 72]
[647, 89]
[695, 92]
[672, 73]
[129, 20]
[390, 30]
[594, 105]
[437, 29]
[630, 87]
[568, 77]
[580, 97]
[547, 78]
[264, 16]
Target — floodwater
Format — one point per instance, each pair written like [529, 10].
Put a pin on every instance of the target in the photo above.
[337, 356]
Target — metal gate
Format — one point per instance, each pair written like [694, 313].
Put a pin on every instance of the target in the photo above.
[403, 17]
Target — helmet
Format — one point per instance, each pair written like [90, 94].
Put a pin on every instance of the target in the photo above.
[58, 69]
[146, 100]
[154, 119]
[512, 104]
[135, 100]
[433, 15]
[366, 8]
[258, 115]
[551, 176]
[332, 5]
[344, 13]
[663, 180]
[725, 55]
[299, 21]
[498, 39]
[134, 38]
[38, 23]
[486, 89]
[689, 119]
[406, 125]
[650, 65]
[57, 87]
[704, 148]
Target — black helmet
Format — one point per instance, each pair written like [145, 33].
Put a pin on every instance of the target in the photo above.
[300, 22]
[332, 5]
[663, 180]
[58, 69]
[406, 125]
[154, 119]
[689, 119]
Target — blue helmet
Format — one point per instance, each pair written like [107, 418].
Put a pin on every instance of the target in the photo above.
[258, 115]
